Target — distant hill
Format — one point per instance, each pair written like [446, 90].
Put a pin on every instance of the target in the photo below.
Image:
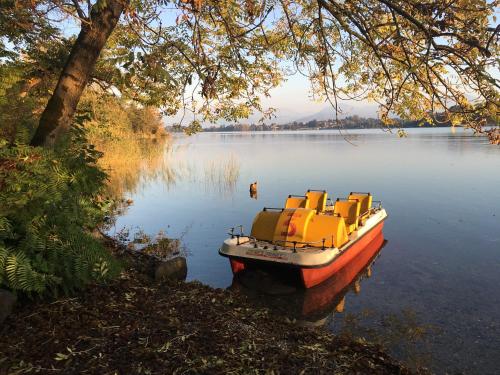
[360, 109]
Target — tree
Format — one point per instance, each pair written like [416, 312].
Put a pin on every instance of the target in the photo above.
[95, 31]
[217, 58]
[415, 58]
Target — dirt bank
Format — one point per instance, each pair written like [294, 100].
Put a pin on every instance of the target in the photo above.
[137, 326]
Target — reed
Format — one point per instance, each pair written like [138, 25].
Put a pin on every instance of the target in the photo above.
[132, 162]
[222, 175]
[129, 162]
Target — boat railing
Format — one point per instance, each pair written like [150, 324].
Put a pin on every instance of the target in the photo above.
[241, 234]
[295, 243]
[231, 231]
[371, 209]
[254, 240]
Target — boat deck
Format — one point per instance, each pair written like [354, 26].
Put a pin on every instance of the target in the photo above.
[300, 254]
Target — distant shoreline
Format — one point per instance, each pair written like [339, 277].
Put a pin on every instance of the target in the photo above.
[224, 130]
[348, 123]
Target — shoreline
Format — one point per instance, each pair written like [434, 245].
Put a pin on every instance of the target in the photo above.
[134, 325]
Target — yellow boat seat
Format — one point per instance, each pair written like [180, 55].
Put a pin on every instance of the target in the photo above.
[297, 227]
[265, 223]
[330, 228]
[349, 210]
[365, 203]
[297, 201]
[317, 199]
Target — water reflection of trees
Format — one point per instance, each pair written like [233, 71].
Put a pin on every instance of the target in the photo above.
[128, 162]
[133, 164]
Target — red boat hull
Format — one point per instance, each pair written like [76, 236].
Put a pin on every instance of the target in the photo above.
[315, 276]
[322, 296]
[236, 265]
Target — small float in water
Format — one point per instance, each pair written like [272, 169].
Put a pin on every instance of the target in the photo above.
[311, 234]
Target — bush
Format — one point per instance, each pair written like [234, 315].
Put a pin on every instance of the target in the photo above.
[110, 117]
[50, 204]
[145, 120]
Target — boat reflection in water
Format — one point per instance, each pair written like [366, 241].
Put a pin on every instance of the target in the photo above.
[280, 291]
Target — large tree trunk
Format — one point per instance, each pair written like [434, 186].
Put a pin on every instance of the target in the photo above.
[58, 114]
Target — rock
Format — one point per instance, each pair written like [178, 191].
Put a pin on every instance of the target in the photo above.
[7, 302]
[173, 269]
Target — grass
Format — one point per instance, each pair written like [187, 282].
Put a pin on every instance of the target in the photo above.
[222, 174]
[133, 162]
[130, 161]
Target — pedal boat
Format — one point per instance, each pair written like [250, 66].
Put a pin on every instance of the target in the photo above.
[311, 234]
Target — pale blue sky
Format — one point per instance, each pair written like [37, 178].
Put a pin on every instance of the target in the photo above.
[294, 100]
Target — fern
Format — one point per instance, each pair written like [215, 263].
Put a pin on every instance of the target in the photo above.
[3, 260]
[50, 202]
[21, 275]
[5, 228]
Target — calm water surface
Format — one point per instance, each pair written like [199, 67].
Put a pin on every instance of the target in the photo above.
[433, 297]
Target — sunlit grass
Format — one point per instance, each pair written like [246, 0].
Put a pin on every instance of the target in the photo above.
[132, 163]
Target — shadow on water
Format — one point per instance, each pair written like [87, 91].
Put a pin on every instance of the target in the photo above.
[324, 305]
[281, 291]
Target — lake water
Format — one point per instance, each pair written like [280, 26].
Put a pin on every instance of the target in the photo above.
[433, 297]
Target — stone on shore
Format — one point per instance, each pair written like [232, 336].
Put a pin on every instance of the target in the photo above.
[172, 269]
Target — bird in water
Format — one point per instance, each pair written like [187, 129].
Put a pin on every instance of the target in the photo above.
[253, 190]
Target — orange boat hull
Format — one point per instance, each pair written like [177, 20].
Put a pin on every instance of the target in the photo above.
[322, 296]
[315, 276]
